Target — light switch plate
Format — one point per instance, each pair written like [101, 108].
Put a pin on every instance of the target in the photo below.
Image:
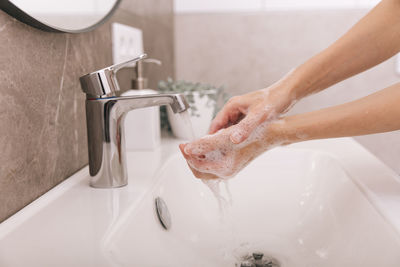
[127, 42]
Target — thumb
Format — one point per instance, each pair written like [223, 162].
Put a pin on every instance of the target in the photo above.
[182, 148]
[243, 129]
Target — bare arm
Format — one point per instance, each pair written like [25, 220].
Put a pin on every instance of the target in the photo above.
[375, 38]
[376, 113]
[215, 156]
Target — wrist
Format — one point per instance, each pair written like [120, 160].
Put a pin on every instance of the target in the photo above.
[284, 131]
[290, 85]
[281, 96]
[286, 91]
[308, 78]
[273, 134]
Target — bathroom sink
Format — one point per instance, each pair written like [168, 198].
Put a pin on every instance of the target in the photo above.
[321, 203]
[298, 206]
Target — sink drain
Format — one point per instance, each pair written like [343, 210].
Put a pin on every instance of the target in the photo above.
[163, 213]
[257, 259]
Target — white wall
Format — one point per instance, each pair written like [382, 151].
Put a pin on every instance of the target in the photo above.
[207, 6]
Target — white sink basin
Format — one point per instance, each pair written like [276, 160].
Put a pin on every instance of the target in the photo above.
[322, 203]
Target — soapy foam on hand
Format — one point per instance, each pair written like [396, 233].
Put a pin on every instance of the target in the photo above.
[223, 161]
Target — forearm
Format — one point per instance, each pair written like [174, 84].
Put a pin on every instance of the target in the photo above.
[375, 38]
[379, 112]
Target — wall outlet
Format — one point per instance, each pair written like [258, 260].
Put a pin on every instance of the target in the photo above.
[127, 42]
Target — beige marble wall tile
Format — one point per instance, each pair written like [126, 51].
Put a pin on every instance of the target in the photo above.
[42, 113]
[248, 51]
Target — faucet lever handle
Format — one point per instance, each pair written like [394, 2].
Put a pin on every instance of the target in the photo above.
[119, 66]
[103, 83]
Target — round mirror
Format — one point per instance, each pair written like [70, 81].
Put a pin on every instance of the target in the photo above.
[61, 15]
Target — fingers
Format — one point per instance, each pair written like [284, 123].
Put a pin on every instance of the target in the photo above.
[197, 174]
[220, 121]
[245, 127]
[209, 156]
[203, 175]
[199, 147]
[242, 131]
[196, 159]
[182, 148]
[229, 115]
[202, 169]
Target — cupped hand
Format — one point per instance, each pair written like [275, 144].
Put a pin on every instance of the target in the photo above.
[197, 174]
[247, 112]
[215, 156]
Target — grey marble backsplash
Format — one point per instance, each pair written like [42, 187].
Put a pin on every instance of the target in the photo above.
[249, 51]
[42, 113]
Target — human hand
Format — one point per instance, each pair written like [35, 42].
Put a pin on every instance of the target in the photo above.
[215, 156]
[198, 174]
[247, 112]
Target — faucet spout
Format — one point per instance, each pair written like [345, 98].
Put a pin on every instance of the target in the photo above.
[177, 102]
[106, 135]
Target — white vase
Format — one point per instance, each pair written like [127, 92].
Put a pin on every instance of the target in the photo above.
[201, 123]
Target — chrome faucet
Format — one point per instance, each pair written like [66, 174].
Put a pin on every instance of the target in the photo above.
[105, 114]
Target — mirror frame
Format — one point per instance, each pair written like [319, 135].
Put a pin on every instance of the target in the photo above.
[24, 17]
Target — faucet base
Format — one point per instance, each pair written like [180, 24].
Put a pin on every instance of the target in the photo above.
[106, 135]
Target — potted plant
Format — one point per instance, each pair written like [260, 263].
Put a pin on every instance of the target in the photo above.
[204, 101]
